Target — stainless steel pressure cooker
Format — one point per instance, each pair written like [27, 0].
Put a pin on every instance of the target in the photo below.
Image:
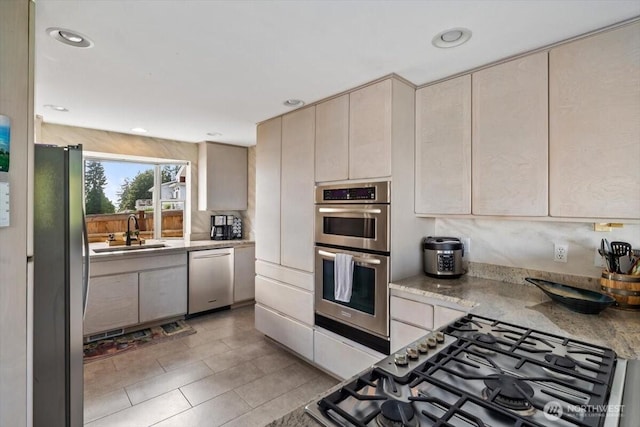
[442, 257]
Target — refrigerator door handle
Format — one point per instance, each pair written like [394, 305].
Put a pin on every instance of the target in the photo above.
[85, 272]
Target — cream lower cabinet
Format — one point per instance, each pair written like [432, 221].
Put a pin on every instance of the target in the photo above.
[112, 303]
[340, 356]
[594, 101]
[134, 290]
[413, 316]
[292, 334]
[163, 293]
[284, 306]
[244, 273]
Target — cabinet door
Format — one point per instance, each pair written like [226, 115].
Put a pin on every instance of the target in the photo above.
[403, 334]
[244, 273]
[297, 208]
[332, 139]
[412, 312]
[222, 177]
[340, 356]
[595, 126]
[370, 131]
[286, 331]
[289, 300]
[267, 225]
[443, 147]
[510, 138]
[112, 303]
[444, 315]
[163, 293]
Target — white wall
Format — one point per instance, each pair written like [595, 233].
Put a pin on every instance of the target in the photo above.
[119, 143]
[529, 244]
[16, 85]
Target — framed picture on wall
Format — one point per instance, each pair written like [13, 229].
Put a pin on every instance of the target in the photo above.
[5, 140]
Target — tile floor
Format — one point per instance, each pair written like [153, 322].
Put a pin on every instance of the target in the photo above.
[226, 374]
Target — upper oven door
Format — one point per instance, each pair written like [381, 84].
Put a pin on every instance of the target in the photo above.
[363, 226]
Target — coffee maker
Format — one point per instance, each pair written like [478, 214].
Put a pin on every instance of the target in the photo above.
[225, 227]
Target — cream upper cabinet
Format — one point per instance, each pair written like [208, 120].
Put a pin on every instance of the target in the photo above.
[595, 126]
[267, 220]
[222, 177]
[332, 139]
[297, 183]
[443, 147]
[510, 138]
[370, 131]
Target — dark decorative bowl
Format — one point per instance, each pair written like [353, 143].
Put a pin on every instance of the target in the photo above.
[576, 299]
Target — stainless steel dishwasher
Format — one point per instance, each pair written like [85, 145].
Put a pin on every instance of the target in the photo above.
[210, 279]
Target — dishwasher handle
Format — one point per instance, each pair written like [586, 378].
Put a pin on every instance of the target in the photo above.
[211, 256]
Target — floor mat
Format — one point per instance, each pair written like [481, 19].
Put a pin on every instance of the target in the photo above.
[111, 346]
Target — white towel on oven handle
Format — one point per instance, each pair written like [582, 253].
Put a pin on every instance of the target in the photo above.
[343, 277]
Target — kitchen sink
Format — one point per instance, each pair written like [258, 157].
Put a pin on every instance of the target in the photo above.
[129, 248]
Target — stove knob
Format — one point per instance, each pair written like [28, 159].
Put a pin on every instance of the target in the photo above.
[412, 353]
[439, 337]
[423, 347]
[400, 359]
[431, 342]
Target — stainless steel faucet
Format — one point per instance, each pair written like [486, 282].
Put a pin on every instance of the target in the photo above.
[137, 229]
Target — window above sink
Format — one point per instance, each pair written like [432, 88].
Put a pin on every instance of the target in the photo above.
[116, 186]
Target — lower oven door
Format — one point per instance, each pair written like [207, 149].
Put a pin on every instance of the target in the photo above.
[368, 308]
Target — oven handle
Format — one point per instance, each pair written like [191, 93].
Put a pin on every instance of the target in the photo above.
[349, 210]
[356, 259]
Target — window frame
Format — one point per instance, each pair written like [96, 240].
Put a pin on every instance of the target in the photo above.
[156, 194]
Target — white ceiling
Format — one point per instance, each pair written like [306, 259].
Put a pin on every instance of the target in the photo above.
[182, 69]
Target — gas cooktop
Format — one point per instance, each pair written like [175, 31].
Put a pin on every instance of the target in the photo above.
[481, 372]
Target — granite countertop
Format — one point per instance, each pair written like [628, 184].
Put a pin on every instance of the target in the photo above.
[526, 305]
[172, 246]
[521, 304]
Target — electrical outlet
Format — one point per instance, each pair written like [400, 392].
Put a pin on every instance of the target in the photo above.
[598, 261]
[560, 252]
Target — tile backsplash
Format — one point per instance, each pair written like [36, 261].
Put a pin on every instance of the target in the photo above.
[529, 244]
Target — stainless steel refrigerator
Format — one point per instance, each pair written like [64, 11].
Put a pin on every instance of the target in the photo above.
[60, 286]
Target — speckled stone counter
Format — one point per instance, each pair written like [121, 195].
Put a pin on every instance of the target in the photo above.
[172, 246]
[521, 304]
[526, 305]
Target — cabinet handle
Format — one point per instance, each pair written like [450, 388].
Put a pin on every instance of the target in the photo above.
[356, 259]
[349, 210]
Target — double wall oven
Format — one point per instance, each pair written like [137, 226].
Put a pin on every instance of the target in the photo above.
[353, 219]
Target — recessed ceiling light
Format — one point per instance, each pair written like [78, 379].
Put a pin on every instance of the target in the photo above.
[293, 103]
[68, 37]
[56, 108]
[451, 38]
[139, 130]
[214, 134]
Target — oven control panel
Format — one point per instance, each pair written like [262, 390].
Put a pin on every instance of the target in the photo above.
[367, 193]
[358, 193]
